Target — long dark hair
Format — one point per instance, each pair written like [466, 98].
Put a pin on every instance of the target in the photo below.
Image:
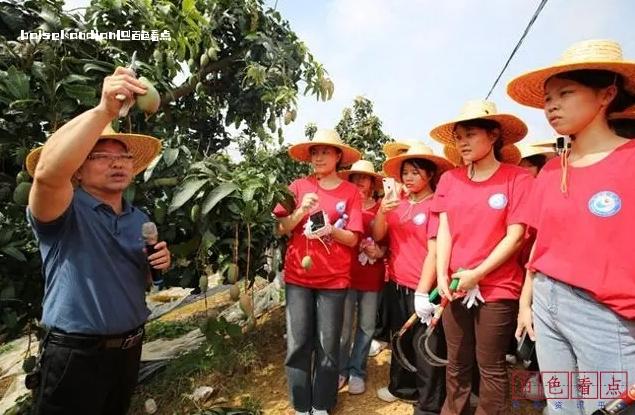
[599, 79]
[489, 126]
[422, 164]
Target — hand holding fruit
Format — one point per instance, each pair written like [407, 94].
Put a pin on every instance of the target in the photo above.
[123, 82]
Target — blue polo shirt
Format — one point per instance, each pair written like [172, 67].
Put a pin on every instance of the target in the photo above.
[94, 267]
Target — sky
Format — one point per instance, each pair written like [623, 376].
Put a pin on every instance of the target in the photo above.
[420, 60]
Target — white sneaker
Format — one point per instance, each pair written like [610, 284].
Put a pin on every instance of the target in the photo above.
[376, 346]
[356, 386]
[319, 412]
[385, 395]
[341, 382]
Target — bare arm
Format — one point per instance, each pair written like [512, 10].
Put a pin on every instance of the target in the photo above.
[444, 250]
[428, 272]
[66, 150]
[288, 223]
[345, 237]
[380, 226]
[525, 319]
[507, 247]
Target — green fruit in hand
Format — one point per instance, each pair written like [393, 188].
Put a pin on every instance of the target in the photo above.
[246, 305]
[195, 213]
[29, 364]
[203, 283]
[232, 273]
[21, 193]
[22, 177]
[307, 262]
[151, 100]
[234, 292]
[204, 60]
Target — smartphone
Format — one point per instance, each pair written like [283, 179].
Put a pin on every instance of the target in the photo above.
[390, 188]
[317, 221]
[525, 349]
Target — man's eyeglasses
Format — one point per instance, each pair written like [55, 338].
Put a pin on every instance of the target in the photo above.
[110, 157]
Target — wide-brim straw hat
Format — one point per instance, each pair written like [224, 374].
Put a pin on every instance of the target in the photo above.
[529, 89]
[545, 148]
[363, 167]
[513, 129]
[143, 148]
[627, 114]
[510, 154]
[392, 166]
[396, 148]
[302, 151]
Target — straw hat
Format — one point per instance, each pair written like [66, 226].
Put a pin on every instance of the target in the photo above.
[510, 154]
[512, 128]
[392, 166]
[627, 114]
[545, 148]
[395, 148]
[363, 167]
[302, 151]
[528, 89]
[143, 148]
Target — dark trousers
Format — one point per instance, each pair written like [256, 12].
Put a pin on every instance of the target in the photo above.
[486, 329]
[314, 327]
[86, 381]
[427, 385]
[382, 324]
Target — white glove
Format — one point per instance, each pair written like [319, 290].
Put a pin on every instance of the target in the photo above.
[424, 308]
[472, 296]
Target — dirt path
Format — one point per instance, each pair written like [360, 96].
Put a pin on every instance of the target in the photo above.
[269, 383]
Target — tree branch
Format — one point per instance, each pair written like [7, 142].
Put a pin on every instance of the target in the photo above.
[187, 88]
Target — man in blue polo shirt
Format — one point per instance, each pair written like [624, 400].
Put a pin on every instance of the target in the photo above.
[95, 266]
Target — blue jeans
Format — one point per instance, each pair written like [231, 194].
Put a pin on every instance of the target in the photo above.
[575, 333]
[363, 305]
[314, 326]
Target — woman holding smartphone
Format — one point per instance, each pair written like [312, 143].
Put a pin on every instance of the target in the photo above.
[478, 241]
[410, 229]
[367, 281]
[579, 294]
[323, 228]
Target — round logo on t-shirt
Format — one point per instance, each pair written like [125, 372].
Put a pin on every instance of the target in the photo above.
[605, 204]
[497, 201]
[340, 207]
[419, 219]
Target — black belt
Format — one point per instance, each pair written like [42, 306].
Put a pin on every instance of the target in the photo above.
[86, 341]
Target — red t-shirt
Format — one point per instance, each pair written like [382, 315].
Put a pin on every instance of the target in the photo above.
[331, 268]
[410, 225]
[585, 239]
[369, 277]
[478, 216]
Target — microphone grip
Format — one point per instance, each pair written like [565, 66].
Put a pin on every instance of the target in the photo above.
[157, 278]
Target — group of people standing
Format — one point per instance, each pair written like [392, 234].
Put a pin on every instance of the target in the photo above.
[546, 256]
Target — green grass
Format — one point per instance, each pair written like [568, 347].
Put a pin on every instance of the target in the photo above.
[168, 330]
[5, 348]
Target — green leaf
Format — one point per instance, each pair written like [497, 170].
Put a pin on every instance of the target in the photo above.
[148, 173]
[15, 84]
[99, 68]
[217, 195]
[170, 155]
[248, 193]
[85, 94]
[13, 252]
[185, 193]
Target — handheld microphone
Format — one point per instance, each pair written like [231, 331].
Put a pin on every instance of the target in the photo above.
[150, 236]
[619, 405]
